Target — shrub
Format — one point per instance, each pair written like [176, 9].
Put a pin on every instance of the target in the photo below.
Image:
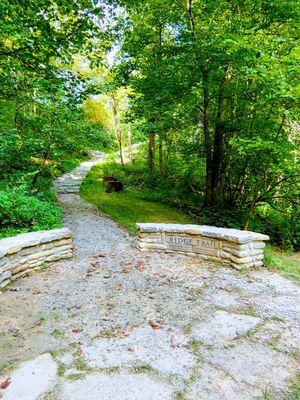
[20, 212]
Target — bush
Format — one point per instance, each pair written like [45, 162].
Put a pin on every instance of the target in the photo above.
[20, 212]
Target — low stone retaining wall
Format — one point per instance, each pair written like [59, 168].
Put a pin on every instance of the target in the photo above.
[22, 254]
[239, 249]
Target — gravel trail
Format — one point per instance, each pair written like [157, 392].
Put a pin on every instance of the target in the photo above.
[116, 324]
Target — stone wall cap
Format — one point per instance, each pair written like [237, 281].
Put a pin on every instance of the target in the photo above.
[233, 235]
[23, 240]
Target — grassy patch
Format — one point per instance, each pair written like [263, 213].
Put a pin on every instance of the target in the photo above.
[61, 369]
[56, 334]
[81, 365]
[286, 263]
[294, 392]
[127, 208]
[142, 369]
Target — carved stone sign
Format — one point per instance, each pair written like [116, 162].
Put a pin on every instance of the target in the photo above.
[240, 249]
[196, 245]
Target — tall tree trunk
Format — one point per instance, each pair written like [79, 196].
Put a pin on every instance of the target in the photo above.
[160, 150]
[34, 101]
[217, 156]
[117, 128]
[207, 140]
[151, 152]
[129, 143]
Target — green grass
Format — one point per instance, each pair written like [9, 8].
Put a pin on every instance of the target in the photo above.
[294, 392]
[286, 263]
[126, 207]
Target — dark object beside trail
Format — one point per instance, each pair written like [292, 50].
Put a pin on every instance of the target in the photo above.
[112, 184]
[109, 179]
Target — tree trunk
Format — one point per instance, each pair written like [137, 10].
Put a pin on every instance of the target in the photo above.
[250, 215]
[151, 152]
[217, 156]
[160, 149]
[117, 129]
[34, 102]
[207, 140]
[129, 144]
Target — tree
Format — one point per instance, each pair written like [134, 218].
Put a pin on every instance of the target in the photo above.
[223, 76]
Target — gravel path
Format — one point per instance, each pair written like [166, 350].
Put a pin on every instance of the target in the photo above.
[116, 324]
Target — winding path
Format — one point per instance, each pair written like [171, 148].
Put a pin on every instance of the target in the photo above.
[116, 324]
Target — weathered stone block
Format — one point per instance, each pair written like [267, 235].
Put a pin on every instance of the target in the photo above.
[20, 275]
[246, 253]
[224, 254]
[150, 240]
[241, 260]
[5, 275]
[3, 261]
[258, 245]
[62, 242]
[4, 283]
[21, 268]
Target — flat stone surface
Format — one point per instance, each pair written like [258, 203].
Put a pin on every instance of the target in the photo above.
[29, 239]
[214, 384]
[121, 324]
[117, 387]
[234, 235]
[163, 351]
[32, 379]
[254, 364]
[224, 327]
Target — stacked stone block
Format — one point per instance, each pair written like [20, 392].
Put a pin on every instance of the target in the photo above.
[28, 252]
[239, 249]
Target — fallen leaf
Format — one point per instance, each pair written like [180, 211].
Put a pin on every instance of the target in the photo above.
[99, 255]
[36, 292]
[122, 335]
[125, 270]
[77, 330]
[139, 266]
[153, 326]
[125, 263]
[118, 287]
[130, 350]
[5, 383]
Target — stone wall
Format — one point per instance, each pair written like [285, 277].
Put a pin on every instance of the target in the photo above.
[22, 254]
[239, 249]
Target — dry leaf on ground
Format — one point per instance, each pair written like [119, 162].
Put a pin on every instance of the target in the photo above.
[5, 383]
[77, 330]
[153, 326]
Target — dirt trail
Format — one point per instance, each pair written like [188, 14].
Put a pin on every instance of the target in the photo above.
[116, 324]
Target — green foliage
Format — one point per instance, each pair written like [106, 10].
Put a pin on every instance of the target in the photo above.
[43, 129]
[21, 213]
[216, 82]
